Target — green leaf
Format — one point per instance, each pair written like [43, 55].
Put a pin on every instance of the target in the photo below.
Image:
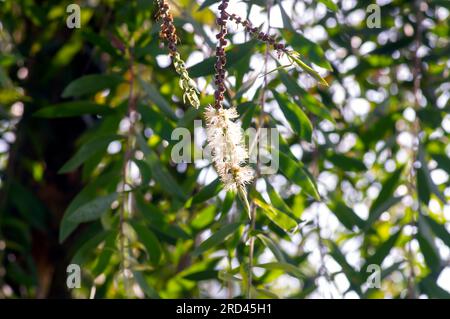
[305, 67]
[207, 3]
[157, 219]
[385, 198]
[354, 277]
[153, 95]
[427, 246]
[29, 206]
[423, 188]
[92, 83]
[204, 218]
[438, 229]
[217, 238]
[376, 212]
[269, 243]
[330, 5]
[146, 288]
[382, 250]
[144, 170]
[72, 109]
[247, 110]
[104, 258]
[206, 192]
[160, 173]
[149, 240]
[285, 17]
[429, 286]
[425, 183]
[288, 268]
[202, 275]
[346, 163]
[109, 179]
[295, 172]
[93, 209]
[277, 201]
[308, 49]
[158, 122]
[298, 120]
[276, 216]
[89, 247]
[308, 101]
[346, 215]
[442, 160]
[97, 145]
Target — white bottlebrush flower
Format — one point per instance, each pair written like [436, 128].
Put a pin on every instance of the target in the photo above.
[226, 142]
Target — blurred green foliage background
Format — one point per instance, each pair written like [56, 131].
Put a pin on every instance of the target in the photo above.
[363, 172]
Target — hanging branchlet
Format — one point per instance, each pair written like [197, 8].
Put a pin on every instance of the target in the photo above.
[258, 34]
[224, 133]
[168, 34]
[293, 56]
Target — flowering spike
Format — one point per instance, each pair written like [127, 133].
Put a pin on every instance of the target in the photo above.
[229, 154]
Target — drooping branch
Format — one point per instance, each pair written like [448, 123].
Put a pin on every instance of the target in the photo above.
[257, 33]
[169, 35]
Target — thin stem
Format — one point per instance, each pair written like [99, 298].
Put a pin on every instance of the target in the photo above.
[415, 131]
[251, 253]
[127, 156]
[258, 172]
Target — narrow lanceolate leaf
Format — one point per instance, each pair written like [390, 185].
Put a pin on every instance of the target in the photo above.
[73, 109]
[433, 290]
[330, 4]
[216, 239]
[207, 192]
[285, 267]
[92, 83]
[149, 240]
[304, 99]
[308, 49]
[423, 188]
[279, 218]
[438, 229]
[96, 145]
[93, 209]
[88, 194]
[353, 276]
[148, 290]
[427, 245]
[269, 243]
[425, 184]
[295, 172]
[153, 95]
[277, 201]
[382, 251]
[309, 70]
[159, 172]
[385, 198]
[89, 247]
[285, 17]
[347, 163]
[300, 123]
[207, 3]
[346, 215]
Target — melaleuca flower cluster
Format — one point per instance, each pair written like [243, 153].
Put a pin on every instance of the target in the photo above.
[229, 154]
